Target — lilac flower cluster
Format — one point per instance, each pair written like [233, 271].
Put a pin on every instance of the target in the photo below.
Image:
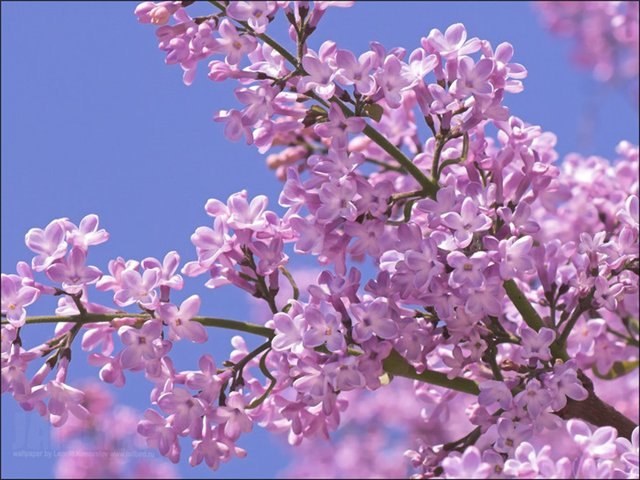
[106, 445]
[605, 34]
[496, 273]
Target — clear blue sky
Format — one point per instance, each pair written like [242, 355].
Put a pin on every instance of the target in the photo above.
[93, 121]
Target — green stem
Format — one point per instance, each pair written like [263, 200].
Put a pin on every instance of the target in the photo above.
[530, 315]
[395, 364]
[108, 317]
[583, 305]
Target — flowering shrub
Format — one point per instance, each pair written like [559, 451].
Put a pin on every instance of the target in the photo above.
[503, 285]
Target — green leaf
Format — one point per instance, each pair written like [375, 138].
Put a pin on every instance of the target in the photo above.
[374, 111]
[618, 370]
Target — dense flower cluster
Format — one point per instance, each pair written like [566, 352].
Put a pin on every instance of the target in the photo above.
[105, 444]
[606, 35]
[496, 272]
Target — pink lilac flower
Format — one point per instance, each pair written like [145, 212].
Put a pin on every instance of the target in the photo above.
[159, 433]
[600, 443]
[535, 398]
[467, 222]
[206, 381]
[64, 399]
[186, 409]
[467, 465]
[325, 327]
[156, 13]
[234, 417]
[256, 14]
[288, 329]
[372, 317]
[180, 320]
[527, 463]
[452, 43]
[563, 383]
[50, 244]
[234, 44]
[536, 344]
[492, 391]
[141, 344]
[16, 296]
[136, 287]
[72, 271]
[393, 79]
[356, 71]
[473, 78]
[515, 256]
[87, 233]
[320, 77]
[467, 271]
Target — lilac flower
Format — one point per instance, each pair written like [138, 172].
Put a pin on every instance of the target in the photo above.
[600, 443]
[536, 344]
[16, 296]
[393, 78]
[186, 409]
[256, 14]
[87, 234]
[320, 77]
[629, 450]
[352, 71]
[606, 294]
[135, 287]
[344, 374]
[467, 271]
[155, 13]
[520, 220]
[50, 244]
[141, 344]
[467, 222]
[116, 267]
[511, 434]
[235, 127]
[336, 201]
[456, 361]
[372, 317]
[233, 44]
[529, 464]
[288, 330]
[485, 300]
[338, 126]
[534, 397]
[233, 416]
[206, 381]
[630, 214]
[72, 271]
[467, 465]
[64, 399]
[325, 327]
[492, 391]
[245, 215]
[515, 256]
[563, 382]
[473, 79]
[180, 320]
[168, 277]
[159, 432]
[452, 44]
[212, 243]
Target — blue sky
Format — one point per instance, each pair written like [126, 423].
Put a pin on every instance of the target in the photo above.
[94, 122]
